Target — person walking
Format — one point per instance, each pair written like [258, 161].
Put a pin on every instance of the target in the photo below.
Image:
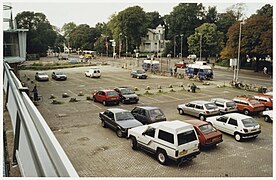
[265, 70]
[193, 88]
[35, 92]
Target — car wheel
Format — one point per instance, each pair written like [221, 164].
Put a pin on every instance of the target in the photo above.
[237, 137]
[103, 124]
[246, 112]
[202, 117]
[133, 143]
[94, 99]
[162, 157]
[267, 108]
[104, 103]
[181, 112]
[119, 133]
[266, 118]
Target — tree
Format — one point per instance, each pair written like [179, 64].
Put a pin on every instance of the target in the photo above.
[209, 38]
[81, 37]
[237, 10]
[211, 15]
[67, 29]
[266, 10]
[153, 19]
[131, 23]
[41, 33]
[183, 20]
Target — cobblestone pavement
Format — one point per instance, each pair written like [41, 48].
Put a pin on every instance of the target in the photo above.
[97, 152]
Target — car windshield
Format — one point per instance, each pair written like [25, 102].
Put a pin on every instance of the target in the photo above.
[156, 113]
[210, 106]
[231, 104]
[59, 73]
[126, 91]
[122, 116]
[140, 71]
[186, 137]
[42, 73]
[112, 93]
[207, 128]
[254, 102]
[249, 122]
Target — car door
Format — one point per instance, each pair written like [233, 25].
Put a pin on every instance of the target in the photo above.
[198, 109]
[219, 123]
[136, 113]
[231, 126]
[189, 108]
[147, 138]
[101, 96]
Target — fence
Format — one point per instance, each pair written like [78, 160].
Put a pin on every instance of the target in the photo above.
[36, 150]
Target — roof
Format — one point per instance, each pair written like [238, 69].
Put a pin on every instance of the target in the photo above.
[175, 125]
[200, 102]
[237, 116]
[222, 99]
[107, 90]
[116, 110]
[264, 95]
[196, 122]
[148, 107]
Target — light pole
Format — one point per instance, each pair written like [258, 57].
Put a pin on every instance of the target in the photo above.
[106, 43]
[181, 36]
[120, 44]
[239, 50]
[174, 48]
[126, 45]
[200, 46]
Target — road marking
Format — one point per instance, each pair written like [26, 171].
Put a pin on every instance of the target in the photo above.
[171, 97]
[72, 92]
[96, 106]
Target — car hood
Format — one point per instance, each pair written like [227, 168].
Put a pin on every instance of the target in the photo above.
[61, 75]
[129, 123]
[43, 76]
[130, 95]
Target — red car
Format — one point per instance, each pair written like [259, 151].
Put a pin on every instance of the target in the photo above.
[106, 97]
[208, 135]
[266, 100]
[248, 105]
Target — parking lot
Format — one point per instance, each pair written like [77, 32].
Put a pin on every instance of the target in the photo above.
[97, 152]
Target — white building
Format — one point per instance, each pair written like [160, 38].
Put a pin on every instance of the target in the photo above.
[154, 40]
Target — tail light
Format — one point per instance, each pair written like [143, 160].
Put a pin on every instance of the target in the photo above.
[245, 130]
[176, 153]
[208, 141]
[207, 112]
[225, 109]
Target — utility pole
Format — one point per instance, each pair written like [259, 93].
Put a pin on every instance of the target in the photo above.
[181, 44]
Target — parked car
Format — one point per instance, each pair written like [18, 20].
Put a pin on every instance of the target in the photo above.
[139, 74]
[208, 135]
[225, 105]
[148, 114]
[199, 108]
[239, 125]
[41, 76]
[265, 99]
[106, 97]
[73, 61]
[59, 75]
[119, 120]
[127, 95]
[93, 72]
[248, 105]
[268, 115]
[173, 140]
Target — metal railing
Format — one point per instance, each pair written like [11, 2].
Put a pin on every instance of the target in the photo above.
[36, 150]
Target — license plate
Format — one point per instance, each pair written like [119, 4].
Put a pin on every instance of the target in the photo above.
[113, 98]
[253, 130]
[183, 152]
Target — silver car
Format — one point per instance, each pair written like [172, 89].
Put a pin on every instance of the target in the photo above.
[199, 108]
[225, 105]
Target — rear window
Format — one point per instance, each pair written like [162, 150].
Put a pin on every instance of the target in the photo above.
[156, 113]
[112, 93]
[249, 122]
[207, 128]
[140, 71]
[231, 104]
[210, 106]
[166, 136]
[254, 102]
[186, 137]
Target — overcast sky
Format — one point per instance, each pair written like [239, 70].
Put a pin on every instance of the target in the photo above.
[92, 12]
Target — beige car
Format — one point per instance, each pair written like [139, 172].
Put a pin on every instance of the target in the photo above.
[199, 108]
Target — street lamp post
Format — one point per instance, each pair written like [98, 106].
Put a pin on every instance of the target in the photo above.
[239, 50]
[200, 46]
[181, 44]
[126, 45]
[174, 47]
[120, 44]
[106, 43]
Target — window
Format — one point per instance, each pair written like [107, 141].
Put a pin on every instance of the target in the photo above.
[163, 135]
[210, 106]
[198, 107]
[191, 105]
[222, 119]
[150, 132]
[219, 104]
[249, 122]
[186, 137]
[143, 112]
[207, 128]
[233, 122]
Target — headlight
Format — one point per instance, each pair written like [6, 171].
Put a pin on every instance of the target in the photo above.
[127, 98]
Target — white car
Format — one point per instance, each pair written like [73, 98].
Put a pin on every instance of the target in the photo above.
[239, 125]
[268, 116]
[175, 140]
[93, 72]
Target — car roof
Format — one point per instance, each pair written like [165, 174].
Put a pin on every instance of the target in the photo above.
[247, 98]
[107, 90]
[200, 102]
[264, 95]
[237, 116]
[116, 110]
[174, 126]
[222, 99]
[196, 122]
[148, 107]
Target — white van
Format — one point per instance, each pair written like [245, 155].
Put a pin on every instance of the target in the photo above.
[93, 72]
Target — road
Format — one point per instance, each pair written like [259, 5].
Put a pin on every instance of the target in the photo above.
[97, 152]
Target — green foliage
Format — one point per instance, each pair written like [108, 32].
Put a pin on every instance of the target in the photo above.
[211, 40]
[266, 10]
